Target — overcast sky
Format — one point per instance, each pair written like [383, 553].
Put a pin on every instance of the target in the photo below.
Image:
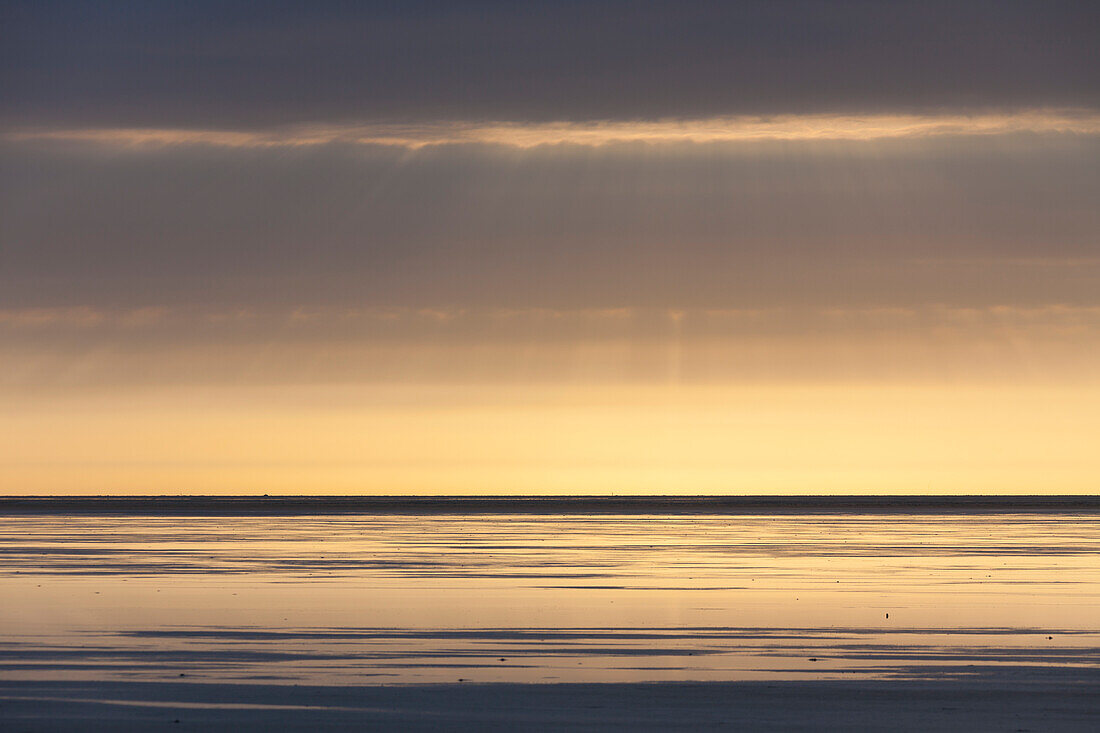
[871, 209]
[570, 193]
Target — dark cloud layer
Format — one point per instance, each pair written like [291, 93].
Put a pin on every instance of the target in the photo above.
[977, 221]
[951, 219]
[202, 63]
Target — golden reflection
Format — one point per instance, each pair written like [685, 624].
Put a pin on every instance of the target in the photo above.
[528, 597]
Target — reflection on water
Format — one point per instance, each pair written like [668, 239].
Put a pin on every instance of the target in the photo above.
[410, 598]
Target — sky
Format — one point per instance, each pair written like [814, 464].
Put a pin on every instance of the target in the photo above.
[549, 247]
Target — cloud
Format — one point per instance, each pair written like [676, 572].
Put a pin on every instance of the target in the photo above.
[970, 220]
[89, 347]
[149, 63]
[744, 129]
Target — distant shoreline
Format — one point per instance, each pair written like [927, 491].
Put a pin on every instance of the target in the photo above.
[304, 505]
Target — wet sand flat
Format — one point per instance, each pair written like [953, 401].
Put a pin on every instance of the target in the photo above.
[836, 619]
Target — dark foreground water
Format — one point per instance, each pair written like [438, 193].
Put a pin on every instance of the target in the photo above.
[914, 617]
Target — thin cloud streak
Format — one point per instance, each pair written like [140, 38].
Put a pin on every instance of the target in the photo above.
[522, 320]
[593, 134]
[96, 347]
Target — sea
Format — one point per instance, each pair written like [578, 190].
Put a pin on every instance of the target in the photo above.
[139, 604]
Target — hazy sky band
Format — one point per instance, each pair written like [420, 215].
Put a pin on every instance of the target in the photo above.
[979, 220]
[83, 347]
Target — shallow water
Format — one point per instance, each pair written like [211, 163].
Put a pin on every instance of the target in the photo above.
[414, 598]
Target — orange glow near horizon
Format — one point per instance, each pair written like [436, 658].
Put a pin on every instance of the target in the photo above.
[678, 439]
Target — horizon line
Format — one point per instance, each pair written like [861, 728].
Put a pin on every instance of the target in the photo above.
[550, 504]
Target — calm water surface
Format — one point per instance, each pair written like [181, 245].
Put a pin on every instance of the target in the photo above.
[405, 598]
